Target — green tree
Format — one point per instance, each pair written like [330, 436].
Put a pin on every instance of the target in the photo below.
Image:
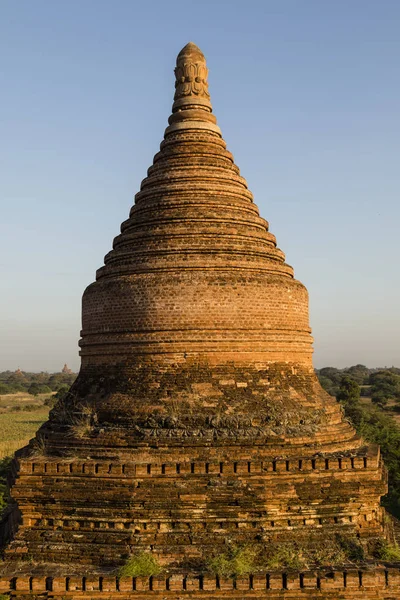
[58, 379]
[349, 391]
[38, 388]
[376, 427]
[359, 373]
[331, 373]
[328, 385]
[385, 386]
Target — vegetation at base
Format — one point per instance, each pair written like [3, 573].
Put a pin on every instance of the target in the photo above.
[142, 564]
[312, 552]
[236, 561]
[289, 556]
[4, 597]
[373, 421]
[315, 552]
[385, 551]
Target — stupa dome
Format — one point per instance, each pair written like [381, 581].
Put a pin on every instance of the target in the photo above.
[195, 273]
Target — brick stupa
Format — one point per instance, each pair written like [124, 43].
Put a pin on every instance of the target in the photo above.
[196, 428]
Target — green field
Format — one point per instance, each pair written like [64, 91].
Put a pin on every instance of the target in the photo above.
[21, 415]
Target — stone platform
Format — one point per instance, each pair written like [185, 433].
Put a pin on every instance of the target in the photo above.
[96, 512]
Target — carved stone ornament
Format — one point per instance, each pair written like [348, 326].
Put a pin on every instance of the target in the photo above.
[191, 77]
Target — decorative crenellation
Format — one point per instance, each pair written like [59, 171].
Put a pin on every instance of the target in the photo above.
[215, 525]
[350, 583]
[278, 466]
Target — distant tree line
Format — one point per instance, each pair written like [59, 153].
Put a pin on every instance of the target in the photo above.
[381, 385]
[372, 420]
[13, 382]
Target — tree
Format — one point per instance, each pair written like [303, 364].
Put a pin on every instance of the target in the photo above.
[385, 386]
[328, 385]
[38, 388]
[58, 379]
[349, 391]
[359, 373]
[331, 373]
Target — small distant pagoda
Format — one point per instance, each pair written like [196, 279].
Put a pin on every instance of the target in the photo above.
[197, 430]
[66, 370]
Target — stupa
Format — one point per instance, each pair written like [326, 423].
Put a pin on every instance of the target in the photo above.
[196, 433]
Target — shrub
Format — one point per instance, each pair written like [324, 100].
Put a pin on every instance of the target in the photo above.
[51, 402]
[38, 388]
[287, 555]
[143, 564]
[237, 561]
[25, 408]
[386, 551]
[352, 548]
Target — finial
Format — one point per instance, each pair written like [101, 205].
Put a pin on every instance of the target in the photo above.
[192, 107]
[191, 73]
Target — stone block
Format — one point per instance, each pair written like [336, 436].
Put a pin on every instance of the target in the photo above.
[209, 583]
[92, 584]
[352, 579]
[5, 584]
[125, 584]
[158, 583]
[192, 583]
[310, 580]
[59, 584]
[38, 584]
[175, 583]
[225, 584]
[142, 584]
[51, 468]
[292, 581]
[259, 583]
[108, 584]
[75, 584]
[23, 584]
[275, 581]
[331, 581]
[393, 576]
[89, 468]
[242, 583]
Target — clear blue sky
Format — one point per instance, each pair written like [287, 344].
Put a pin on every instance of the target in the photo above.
[307, 94]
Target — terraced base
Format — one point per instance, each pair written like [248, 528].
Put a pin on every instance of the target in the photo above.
[186, 505]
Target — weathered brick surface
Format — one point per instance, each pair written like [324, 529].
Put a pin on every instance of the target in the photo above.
[196, 420]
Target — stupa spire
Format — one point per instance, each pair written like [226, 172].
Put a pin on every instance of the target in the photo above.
[192, 106]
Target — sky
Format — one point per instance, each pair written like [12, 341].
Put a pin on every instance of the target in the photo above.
[307, 94]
